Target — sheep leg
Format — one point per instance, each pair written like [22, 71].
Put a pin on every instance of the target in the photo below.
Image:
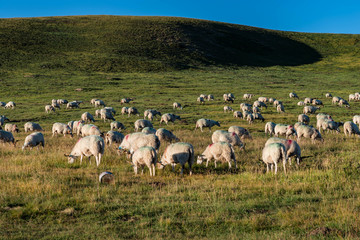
[81, 157]
[275, 167]
[207, 162]
[267, 168]
[135, 169]
[229, 165]
[153, 172]
[142, 169]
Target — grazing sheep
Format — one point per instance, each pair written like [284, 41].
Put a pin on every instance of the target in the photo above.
[177, 105]
[240, 131]
[309, 132]
[248, 96]
[225, 136]
[10, 104]
[317, 102]
[246, 107]
[308, 100]
[323, 115]
[62, 101]
[272, 154]
[237, 114]
[277, 102]
[301, 103]
[178, 153]
[263, 99]
[89, 129]
[220, 151]
[256, 110]
[132, 111]
[304, 118]
[272, 100]
[280, 108]
[144, 156]
[331, 125]
[92, 101]
[99, 103]
[343, 102]
[292, 148]
[203, 96]
[328, 95]
[356, 120]
[228, 109]
[201, 100]
[76, 126]
[320, 119]
[227, 98]
[34, 140]
[11, 127]
[107, 116]
[258, 116]
[61, 128]
[87, 117]
[126, 100]
[98, 113]
[117, 125]
[310, 109]
[270, 128]
[250, 118]
[293, 95]
[7, 137]
[259, 104]
[166, 135]
[297, 124]
[283, 129]
[55, 104]
[351, 128]
[72, 105]
[124, 110]
[141, 123]
[151, 113]
[148, 130]
[203, 122]
[246, 113]
[169, 117]
[113, 136]
[3, 119]
[210, 97]
[134, 141]
[30, 126]
[49, 108]
[88, 146]
[109, 109]
[335, 100]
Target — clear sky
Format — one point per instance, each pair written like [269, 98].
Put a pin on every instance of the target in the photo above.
[302, 15]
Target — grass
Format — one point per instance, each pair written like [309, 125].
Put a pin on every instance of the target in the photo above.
[42, 196]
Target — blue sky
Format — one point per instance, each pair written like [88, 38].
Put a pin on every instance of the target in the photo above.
[303, 16]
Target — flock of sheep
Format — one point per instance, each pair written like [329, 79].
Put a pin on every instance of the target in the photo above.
[143, 147]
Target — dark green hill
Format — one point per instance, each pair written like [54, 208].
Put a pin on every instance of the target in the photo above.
[119, 43]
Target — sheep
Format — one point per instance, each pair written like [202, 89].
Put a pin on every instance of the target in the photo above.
[10, 104]
[280, 108]
[98, 113]
[99, 103]
[61, 128]
[203, 122]
[33, 140]
[270, 128]
[72, 105]
[335, 100]
[250, 118]
[141, 123]
[272, 100]
[228, 109]
[351, 128]
[3, 119]
[106, 116]
[308, 100]
[220, 151]
[87, 117]
[309, 132]
[134, 141]
[310, 109]
[246, 107]
[356, 120]
[272, 154]
[11, 127]
[301, 103]
[7, 137]
[169, 117]
[113, 136]
[133, 111]
[166, 135]
[297, 124]
[124, 110]
[352, 97]
[210, 97]
[320, 119]
[177, 105]
[55, 104]
[293, 95]
[258, 116]
[89, 129]
[331, 125]
[76, 126]
[179, 152]
[88, 146]
[292, 148]
[117, 125]
[225, 136]
[263, 99]
[92, 101]
[237, 114]
[248, 96]
[151, 113]
[256, 110]
[283, 129]
[304, 118]
[148, 130]
[317, 102]
[240, 131]
[126, 100]
[109, 109]
[144, 156]
[344, 102]
[30, 126]
[227, 98]
[62, 101]
[277, 102]
[259, 104]
[328, 95]
[323, 115]
[201, 100]
[49, 108]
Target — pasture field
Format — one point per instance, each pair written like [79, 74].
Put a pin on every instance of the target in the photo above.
[42, 196]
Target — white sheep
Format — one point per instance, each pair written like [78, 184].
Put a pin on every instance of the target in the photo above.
[240, 131]
[134, 141]
[61, 128]
[237, 114]
[106, 115]
[55, 104]
[89, 129]
[62, 101]
[88, 146]
[166, 135]
[126, 100]
[258, 116]
[277, 102]
[274, 153]
[331, 125]
[169, 117]
[263, 99]
[92, 101]
[304, 118]
[11, 127]
[335, 100]
[148, 130]
[317, 102]
[98, 113]
[301, 103]
[308, 100]
[203, 122]
[7, 137]
[144, 156]
[109, 109]
[10, 104]
[343, 102]
[250, 118]
[229, 137]
[270, 128]
[34, 140]
[49, 108]
[245, 107]
[283, 129]
[280, 108]
[220, 151]
[352, 97]
[227, 98]
[246, 113]
[177, 105]
[356, 119]
[113, 136]
[141, 123]
[72, 105]
[293, 95]
[292, 148]
[76, 126]
[310, 109]
[210, 97]
[87, 117]
[132, 111]
[256, 110]
[308, 132]
[320, 118]
[99, 103]
[248, 96]
[115, 125]
[328, 95]
[181, 153]
[351, 128]
[124, 110]
[228, 109]
[259, 104]
[151, 113]
[30, 126]
[272, 100]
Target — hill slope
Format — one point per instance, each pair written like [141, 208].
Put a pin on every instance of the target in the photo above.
[118, 43]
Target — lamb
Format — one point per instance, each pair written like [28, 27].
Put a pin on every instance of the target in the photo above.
[126, 100]
[148, 130]
[3, 119]
[72, 105]
[227, 98]
[301, 103]
[61, 128]
[134, 141]
[11, 127]
[113, 136]
[88, 146]
[10, 104]
[220, 151]
[351, 128]
[49, 108]
[344, 102]
[272, 154]
[151, 113]
[201, 100]
[304, 118]
[309, 132]
[240, 131]
[177, 105]
[225, 136]
[117, 125]
[7, 137]
[270, 128]
[106, 116]
[293, 95]
[178, 153]
[99, 103]
[210, 97]
[248, 96]
[292, 148]
[280, 108]
[132, 111]
[144, 156]
[34, 140]
[141, 123]
[331, 125]
[228, 109]
[124, 110]
[169, 117]
[237, 114]
[328, 95]
[30, 126]
[250, 118]
[282, 129]
[308, 100]
[166, 135]
[263, 99]
[356, 120]
[90, 129]
[310, 109]
[203, 122]
[87, 117]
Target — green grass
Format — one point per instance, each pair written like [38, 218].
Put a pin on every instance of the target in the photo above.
[42, 196]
